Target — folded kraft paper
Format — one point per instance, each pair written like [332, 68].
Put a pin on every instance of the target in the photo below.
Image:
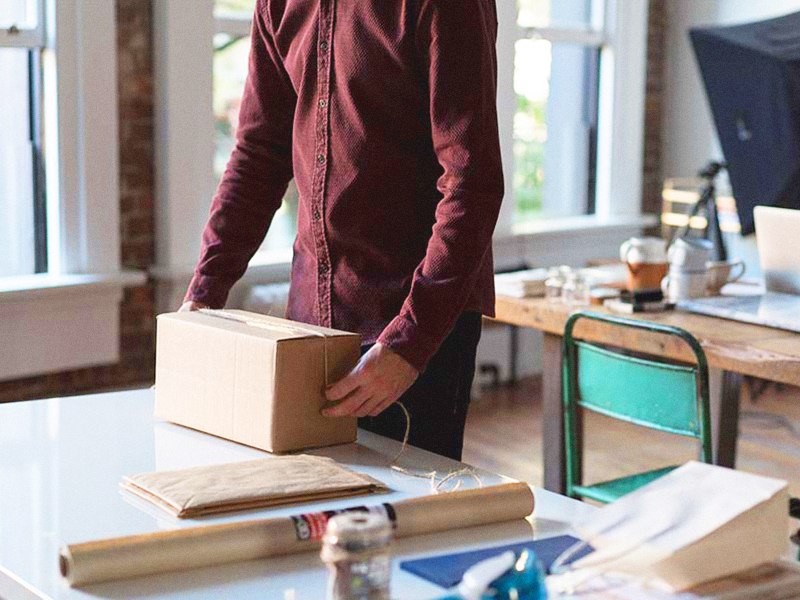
[252, 379]
[267, 482]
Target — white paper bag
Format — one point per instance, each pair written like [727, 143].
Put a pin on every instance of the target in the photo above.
[697, 523]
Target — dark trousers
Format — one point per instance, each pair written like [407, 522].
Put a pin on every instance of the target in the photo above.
[439, 398]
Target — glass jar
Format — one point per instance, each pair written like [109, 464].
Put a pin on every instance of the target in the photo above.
[576, 290]
[356, 549]
[553, 285]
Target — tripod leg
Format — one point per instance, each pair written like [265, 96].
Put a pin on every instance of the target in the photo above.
[713, 231]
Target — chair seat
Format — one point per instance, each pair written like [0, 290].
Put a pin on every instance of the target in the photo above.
[611, 490]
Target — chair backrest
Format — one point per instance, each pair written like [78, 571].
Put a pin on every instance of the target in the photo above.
[652, 393]
[661, 396]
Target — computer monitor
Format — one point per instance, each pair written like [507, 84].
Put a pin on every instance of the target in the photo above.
[752, 79]
[777, 232]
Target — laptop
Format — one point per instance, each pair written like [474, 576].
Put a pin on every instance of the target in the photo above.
[777, 235]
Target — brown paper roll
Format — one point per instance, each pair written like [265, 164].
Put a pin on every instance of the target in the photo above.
[183, 549]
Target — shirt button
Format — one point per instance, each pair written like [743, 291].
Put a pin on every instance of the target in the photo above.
[320, 159]
[323, 267]
[322, 103]
[324, 46]
[316, 215]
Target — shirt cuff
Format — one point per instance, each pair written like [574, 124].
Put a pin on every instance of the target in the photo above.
[209, 290]
[404, 337]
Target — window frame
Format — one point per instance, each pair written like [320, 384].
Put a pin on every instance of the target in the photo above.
[236, 29]
[68, 317]
[591, 38]
[619, 30]
[26, 37]
[33, 40]
[83, 148]
[232, 26]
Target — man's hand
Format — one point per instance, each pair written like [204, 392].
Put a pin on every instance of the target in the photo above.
[191, 305]
[380, 377]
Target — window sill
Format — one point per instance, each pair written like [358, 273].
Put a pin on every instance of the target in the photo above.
[572, 241]
[582, 223]
[29, 287]
[50, 323]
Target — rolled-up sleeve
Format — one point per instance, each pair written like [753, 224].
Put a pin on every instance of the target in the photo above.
[456, 45]
[256, 176]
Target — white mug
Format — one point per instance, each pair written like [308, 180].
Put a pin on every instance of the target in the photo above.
[722, 272]
[645, 250]
[681, 285]
[689, 254]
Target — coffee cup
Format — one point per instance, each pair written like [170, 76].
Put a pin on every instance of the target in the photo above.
[689, 254]
[721, 272]
[646, 259]
[683, 285]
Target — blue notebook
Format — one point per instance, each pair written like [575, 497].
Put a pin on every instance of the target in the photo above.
[448, 569]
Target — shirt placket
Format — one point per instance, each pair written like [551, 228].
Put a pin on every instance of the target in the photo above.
[324, 267]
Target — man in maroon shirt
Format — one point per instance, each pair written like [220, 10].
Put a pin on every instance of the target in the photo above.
[384, 113]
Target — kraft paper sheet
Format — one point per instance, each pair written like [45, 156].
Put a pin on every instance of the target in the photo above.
[275, 481]
[197, 547]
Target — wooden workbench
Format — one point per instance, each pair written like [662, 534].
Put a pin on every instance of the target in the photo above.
[733, 349]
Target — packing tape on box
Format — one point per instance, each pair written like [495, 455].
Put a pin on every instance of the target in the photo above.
[197, 547]
[253, 321]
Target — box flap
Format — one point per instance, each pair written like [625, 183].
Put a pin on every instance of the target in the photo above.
[255, 324]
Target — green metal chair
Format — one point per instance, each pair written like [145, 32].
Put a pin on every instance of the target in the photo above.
[655, 394]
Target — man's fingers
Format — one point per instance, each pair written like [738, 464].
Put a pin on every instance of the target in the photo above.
[382, 406]
[343, 387]
[350, 405]
[191, 305]
[370, 405]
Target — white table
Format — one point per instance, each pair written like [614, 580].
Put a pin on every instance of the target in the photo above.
[61, 461]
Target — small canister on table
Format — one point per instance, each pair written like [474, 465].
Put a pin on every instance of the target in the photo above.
[356, 549]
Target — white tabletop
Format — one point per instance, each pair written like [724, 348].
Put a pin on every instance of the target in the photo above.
[61, 462]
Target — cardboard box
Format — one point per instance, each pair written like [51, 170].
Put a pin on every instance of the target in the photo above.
[253, 379]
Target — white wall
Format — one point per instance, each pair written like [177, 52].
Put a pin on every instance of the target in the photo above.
[689, 137]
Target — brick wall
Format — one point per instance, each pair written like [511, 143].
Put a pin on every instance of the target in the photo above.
[136, 367]
[656, 53]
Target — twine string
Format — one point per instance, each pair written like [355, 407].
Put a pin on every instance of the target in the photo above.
[436, 486]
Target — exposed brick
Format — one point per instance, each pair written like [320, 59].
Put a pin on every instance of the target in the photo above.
[656, 53]
[138, 227]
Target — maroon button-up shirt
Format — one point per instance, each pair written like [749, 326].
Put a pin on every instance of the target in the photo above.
[384, 113]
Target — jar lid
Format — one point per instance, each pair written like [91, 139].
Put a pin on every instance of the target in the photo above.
[356, 531]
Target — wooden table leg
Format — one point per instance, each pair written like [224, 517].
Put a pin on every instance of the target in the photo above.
[553, 416]
[725, 396]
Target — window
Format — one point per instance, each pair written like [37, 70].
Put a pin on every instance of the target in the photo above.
[571, 77]
[557, 51]
[60, 279]
[232, 20]
[22, 228]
